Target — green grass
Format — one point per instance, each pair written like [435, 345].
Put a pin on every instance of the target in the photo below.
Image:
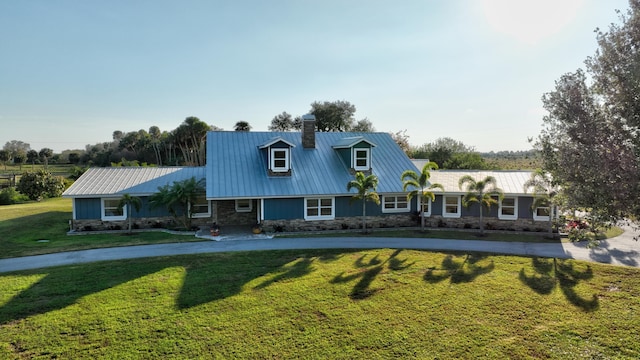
[433, 233]
[23, 226]
[369, 304]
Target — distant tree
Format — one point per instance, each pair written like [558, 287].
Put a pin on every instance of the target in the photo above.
[32, 156]
[5, 156]
[45, 154]
[40, 184]
[402, 139]
[363, 125]
[242, 126]
[190, 138]
[467, 160]
[19, 158]
[283, 122]
[545, 192]
[117, 135]
[178, 197]
[450, 154]
[129, 202]
[333, 116]
[74, 158]
[484, 192]
[16, 147]
[421, 187]
[365, 186]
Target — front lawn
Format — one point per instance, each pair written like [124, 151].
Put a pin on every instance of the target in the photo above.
[369, 304]
[41, 227]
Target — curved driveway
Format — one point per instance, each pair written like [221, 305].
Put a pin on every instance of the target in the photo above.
[621, 250]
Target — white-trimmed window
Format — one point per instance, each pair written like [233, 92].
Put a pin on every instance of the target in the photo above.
[244, 205]
[110, 211]
[451, 206]
[280, 160]
[361, 158]
[395, 203]
[508, 209]
[427, 207]
[201, 207]
[319, 208]
[541, 213]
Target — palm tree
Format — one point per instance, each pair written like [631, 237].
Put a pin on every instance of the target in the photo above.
[366, 187]
[544, 193]
[422, 187]
[178, 197]
[482, 192]
[129, 201]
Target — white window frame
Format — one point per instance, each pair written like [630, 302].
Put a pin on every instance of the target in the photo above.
[444, 206]
[202, 214]
[272, 160]
[536, 217]
[320, 207]
[428, 212]
[355, 159]
[103, 209]
[240, 208]
[395, 209]
[502, 216]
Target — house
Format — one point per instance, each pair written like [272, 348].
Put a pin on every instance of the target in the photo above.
[289, 181]
[513, 212]
[296, 181]
[96, 194]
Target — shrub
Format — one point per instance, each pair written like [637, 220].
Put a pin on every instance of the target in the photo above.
[10, 196]
[40, 184]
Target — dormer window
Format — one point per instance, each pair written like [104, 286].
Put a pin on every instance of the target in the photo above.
[355, 152]
[361, 159]
[280, 160]
[277, 155]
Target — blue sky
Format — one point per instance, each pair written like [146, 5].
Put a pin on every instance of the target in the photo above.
[72, 72]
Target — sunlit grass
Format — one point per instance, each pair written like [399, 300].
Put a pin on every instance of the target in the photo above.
[369, 304]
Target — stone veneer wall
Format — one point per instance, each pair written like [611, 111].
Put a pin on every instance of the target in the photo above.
[388, 221]
[490, 223]
[404, 220]
[227, 215]
[143, 223]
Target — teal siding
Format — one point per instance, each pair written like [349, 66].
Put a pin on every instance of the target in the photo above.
[524, 207]
[346, 208]
[87, 209]
[283, 209]
[91, 209]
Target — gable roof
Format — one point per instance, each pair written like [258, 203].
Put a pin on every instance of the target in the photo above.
[136, 181]
[275, 140]
[236, 167]
[511, 182]
[347, 142]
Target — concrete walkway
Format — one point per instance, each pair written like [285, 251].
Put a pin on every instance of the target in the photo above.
[621, 250]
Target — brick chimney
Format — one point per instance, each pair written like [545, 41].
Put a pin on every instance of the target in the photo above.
[308, 131]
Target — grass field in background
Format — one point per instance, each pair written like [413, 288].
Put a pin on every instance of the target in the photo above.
[369, 304]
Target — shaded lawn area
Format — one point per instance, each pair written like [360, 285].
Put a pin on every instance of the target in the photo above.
[24, 226]
[369, 304]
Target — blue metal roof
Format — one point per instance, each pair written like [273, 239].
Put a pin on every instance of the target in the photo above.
[137, 181]
[237, 168]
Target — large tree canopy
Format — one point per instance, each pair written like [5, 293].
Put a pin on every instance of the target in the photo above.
[333, 116]
[590, 139]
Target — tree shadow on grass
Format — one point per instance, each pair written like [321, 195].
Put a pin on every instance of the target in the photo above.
[550, 273]
[63, 286]
[208, 277]
[459, 268]
[369, 270]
